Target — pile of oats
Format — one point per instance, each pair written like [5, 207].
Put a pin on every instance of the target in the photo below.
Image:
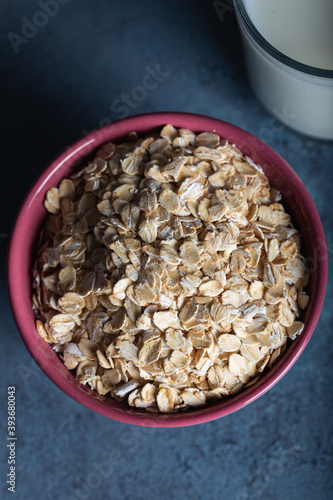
[168, 272]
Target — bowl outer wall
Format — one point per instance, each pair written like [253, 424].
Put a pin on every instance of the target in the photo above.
[31, 215]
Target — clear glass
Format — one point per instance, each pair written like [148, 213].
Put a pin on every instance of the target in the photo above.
[299, 95]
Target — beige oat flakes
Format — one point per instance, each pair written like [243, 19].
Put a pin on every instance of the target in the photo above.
[169, 274]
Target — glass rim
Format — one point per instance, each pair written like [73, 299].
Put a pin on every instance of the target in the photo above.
[270, 49]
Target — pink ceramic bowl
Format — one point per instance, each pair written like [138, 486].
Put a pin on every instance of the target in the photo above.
[31, 217]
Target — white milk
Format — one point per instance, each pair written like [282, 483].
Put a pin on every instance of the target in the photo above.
[303, 31]
[300, 29]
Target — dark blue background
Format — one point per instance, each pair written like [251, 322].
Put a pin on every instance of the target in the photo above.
[67, 79]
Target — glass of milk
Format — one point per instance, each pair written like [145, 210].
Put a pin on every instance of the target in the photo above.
[288, 47]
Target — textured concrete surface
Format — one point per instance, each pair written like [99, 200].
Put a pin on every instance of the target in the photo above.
[69, 76]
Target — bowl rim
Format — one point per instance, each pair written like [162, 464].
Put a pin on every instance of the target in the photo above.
[81, 148]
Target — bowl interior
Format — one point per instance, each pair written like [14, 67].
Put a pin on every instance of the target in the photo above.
[32, 215]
